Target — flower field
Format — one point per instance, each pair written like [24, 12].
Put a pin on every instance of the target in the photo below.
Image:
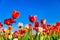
[42, 30]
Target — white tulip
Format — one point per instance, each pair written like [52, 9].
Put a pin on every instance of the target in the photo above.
[40, 29]
[10, 36]
[20, 24]
[15, 39]
[27, 26]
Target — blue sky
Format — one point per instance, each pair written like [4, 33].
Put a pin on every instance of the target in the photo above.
[49, 9]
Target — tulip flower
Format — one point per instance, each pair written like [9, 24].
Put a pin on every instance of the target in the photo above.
[55, 28]
[57, 23]
[46, 30]
[35, 28]
[7, 31]
[32, 18]
[44, 26]
[36, 24]
[1, 24]
[9, 27]
[15, 14]
[9, 37]
[43, 31]
[15, 39]
[28, 26]
[16, 34]
[40, 29]
[22, 31]
[9, 21]
[43, 21]
[48, 25]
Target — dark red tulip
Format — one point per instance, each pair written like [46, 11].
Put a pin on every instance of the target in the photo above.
[43, 21]
[55, 28]
[9, 21]
[57, 23]
[33, 19]
[48, 26]
[15, 14]
[36, 24]
[1, 24]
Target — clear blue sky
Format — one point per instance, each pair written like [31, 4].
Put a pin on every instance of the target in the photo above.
[49, 9]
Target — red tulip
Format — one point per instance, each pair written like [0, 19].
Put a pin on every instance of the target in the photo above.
[33, 19]
[36, 24]
[35, 28]
[1, 25]
[28, 26]
[44, 26]
[15, 14]
[43, 21]
[48, 25]
[46, 30]
[22, 31]
[9, 21]
[51, 29]
[55, 28]
[57, 23]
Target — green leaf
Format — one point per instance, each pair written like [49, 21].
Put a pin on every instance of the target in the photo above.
[26, 36]
[2, 38]
[20, 38]
[37, 37]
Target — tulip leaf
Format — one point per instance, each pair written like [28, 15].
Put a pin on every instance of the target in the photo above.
[26, 36]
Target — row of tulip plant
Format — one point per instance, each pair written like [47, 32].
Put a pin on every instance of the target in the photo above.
[42, 30]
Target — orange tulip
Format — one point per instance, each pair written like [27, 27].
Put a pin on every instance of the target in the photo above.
[9, 27]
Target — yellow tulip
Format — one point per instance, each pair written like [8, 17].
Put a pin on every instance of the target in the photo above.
[7, 31]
